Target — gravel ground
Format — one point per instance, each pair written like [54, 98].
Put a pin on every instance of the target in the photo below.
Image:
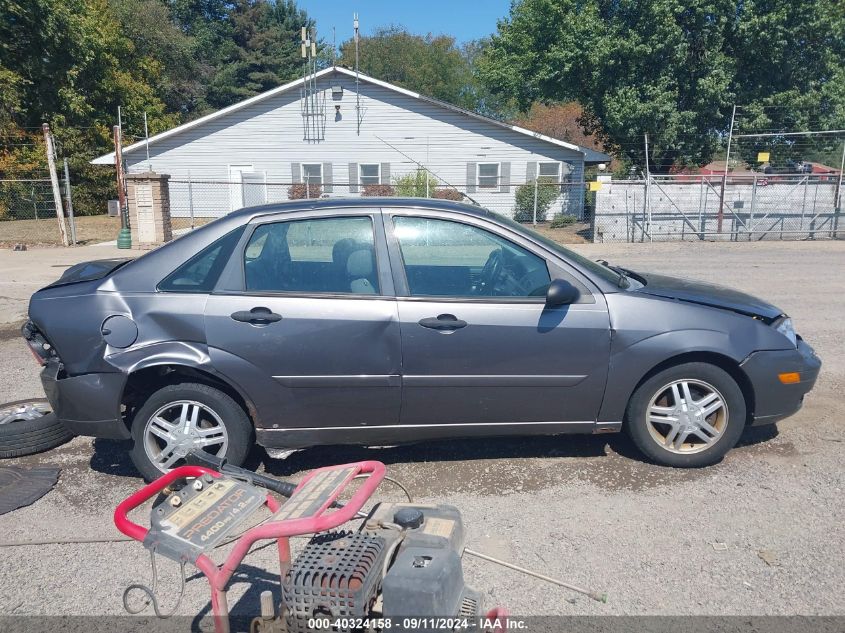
[585, 509]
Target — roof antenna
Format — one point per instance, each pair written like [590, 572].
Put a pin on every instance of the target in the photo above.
[334, 47]
[357, 82]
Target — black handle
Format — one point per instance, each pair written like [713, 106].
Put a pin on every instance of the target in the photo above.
[259, 316]
[445, 322]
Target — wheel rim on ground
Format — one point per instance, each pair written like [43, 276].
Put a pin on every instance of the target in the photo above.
[23, 411]
[687, 416]
[179, 427]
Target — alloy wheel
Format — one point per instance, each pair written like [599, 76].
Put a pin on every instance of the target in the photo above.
[23, 410]
[687, 416]
[180, 427]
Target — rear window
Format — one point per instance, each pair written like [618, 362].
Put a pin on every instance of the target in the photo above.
[201, 272]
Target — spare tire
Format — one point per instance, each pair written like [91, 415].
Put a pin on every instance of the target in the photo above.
[29, 426]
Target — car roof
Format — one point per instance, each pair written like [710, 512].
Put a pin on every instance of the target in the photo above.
[433, 204]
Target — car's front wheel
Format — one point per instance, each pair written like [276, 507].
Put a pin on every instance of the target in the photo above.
[686, 416]
[178, 419]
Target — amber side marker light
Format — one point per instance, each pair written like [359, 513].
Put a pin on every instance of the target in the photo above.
[790, 378]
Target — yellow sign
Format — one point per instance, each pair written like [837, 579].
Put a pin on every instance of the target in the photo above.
[595, 185]
[763, 157]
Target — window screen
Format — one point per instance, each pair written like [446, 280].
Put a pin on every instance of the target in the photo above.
[550, 170]
[488, 175]
[370, 174]
[312, 173]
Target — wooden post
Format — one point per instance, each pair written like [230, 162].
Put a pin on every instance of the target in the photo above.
[721, 213]
[54, 181]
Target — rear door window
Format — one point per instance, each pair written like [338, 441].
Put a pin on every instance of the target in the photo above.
[323, 255]
[200, 273]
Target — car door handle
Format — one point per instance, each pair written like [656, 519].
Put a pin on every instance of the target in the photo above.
[256, 316]
[447, 322]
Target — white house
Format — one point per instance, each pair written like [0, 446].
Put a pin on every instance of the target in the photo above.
[344, 132]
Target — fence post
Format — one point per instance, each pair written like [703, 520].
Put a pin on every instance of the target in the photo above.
[647, 196]
[536, 180]
[54, 181]
[751, 210]
[69, 201]
[191, 199]
[837, 197]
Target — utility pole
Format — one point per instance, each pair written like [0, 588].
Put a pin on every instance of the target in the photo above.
[647, 185]
[721, 214]
[837, 198]
[124, 237]
[69, 201]
[147, 142]
[54, 181]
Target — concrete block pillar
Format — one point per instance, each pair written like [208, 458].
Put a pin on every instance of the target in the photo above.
[148, 197]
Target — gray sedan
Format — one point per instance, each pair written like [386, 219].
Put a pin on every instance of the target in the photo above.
[381, 321]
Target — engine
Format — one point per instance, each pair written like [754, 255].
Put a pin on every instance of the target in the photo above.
[404, 563]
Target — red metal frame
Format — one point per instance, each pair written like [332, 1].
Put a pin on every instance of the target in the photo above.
[218, 577]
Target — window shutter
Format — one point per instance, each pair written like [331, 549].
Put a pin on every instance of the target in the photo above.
[505, 177]
[530, 171]
[385, 173]
[471, 174]
[353, 177]
[327, 178]
[295, 173]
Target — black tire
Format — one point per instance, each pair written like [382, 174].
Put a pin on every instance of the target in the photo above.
[636, 416]
[235, 420]
[27, 437]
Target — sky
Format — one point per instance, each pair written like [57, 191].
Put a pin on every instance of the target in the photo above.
[464, 19]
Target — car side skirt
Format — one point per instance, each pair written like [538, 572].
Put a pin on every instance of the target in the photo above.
[409, 433]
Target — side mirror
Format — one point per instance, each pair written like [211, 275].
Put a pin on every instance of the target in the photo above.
[561, 293]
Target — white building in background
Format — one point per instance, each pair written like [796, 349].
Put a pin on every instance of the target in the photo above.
[345, 134]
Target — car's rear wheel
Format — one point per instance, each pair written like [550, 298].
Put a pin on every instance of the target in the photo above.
[686, 416]
[178, 419]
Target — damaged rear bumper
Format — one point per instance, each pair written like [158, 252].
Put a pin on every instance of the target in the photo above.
[87, 404]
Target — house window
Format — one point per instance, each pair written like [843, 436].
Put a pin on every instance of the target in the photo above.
[550, 170]
[370, 174]
[312, 173]
[488, 175]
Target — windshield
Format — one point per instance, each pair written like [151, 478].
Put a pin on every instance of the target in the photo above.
[599, 270]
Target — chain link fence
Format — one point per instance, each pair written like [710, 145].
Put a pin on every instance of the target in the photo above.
[196, 202]
[707, 208]
[28, 213]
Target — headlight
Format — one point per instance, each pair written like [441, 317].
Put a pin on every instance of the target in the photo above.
[785, 328]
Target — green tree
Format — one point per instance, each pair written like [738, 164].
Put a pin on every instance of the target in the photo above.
[671, 68]
[266, 49]
[432, 65]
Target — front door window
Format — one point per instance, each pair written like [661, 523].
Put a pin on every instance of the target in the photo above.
[443, 258]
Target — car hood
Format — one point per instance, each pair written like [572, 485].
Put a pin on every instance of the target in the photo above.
[89, 271]
[707, 294]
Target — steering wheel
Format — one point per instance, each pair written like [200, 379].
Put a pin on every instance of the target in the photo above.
[490, 272]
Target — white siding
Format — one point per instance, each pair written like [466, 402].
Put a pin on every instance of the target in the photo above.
[269, 135]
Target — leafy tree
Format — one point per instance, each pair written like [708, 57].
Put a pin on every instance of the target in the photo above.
[671, 68]
[432, 65]
[266, 52]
